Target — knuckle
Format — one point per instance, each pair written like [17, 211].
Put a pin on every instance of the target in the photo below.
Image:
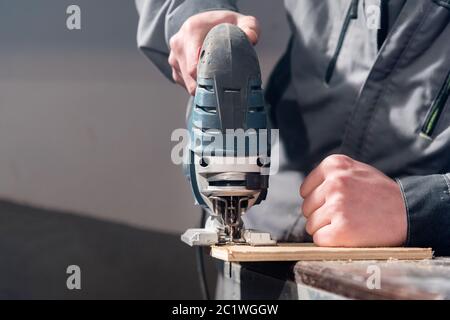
[342, 224]
[334, 184]
[341, 215]
[330, 160]
[338, 161]
[304, 208]
[302, 190]
[172, 41]
[342, 158]
[339, 183]
[252, 20]
[190, 24]
[309, 226]
[172, 60]
[335, 207]
[340, 220]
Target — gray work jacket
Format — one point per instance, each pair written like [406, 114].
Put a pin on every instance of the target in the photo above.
[378, 95]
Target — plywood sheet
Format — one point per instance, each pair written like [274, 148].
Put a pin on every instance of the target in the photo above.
[309, 252]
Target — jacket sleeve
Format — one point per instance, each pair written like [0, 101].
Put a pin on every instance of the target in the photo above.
[159, 20]
[427, 200]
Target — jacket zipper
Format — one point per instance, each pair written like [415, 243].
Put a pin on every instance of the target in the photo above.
[352, 14]
[436, 108]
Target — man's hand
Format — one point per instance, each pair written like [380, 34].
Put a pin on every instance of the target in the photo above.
[185, 45]
[348, 203]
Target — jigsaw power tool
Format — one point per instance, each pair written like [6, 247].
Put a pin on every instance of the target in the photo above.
[227, 176]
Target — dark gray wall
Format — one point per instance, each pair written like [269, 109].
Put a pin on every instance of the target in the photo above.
[85, 125]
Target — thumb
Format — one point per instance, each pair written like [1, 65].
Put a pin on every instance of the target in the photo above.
[250, 26]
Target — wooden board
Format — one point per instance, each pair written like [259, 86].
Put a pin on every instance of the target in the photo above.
[424, 279]
[309, 252]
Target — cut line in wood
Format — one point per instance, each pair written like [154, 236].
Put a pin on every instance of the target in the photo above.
[310, 252]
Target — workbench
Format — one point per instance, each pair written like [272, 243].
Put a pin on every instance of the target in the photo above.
[313, 280]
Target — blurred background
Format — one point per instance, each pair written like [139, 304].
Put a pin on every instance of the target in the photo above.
[85, 171]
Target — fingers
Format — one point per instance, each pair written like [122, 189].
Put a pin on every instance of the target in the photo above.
[313, 201]
[325, 236]
[324, 202]
[317, 220]
[189, 67]
[250, 26]
[329, 165]
[176, 72]
[177, 77]
[312, 181]
[186, 44]
[183, 60]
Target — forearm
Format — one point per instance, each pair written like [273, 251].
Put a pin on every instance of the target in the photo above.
[427, 200]
[159, 20]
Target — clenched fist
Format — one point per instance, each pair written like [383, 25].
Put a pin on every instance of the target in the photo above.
[185, 45]
[351, 204]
